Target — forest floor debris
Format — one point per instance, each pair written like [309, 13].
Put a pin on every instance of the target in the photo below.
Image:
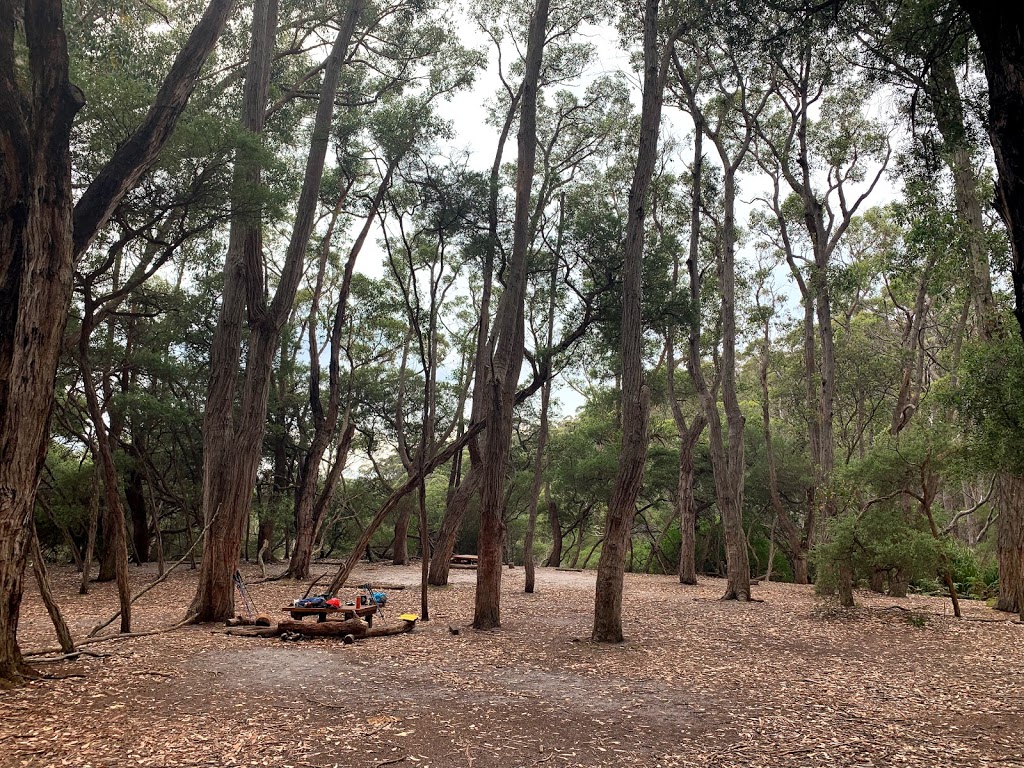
[699, 683]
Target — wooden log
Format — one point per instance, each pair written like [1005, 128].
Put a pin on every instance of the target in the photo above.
[398, 629]
[356, 627]
[252, 632]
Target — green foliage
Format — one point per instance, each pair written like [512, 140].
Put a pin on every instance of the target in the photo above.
[974, 575]
[990, 400]
[881, 540]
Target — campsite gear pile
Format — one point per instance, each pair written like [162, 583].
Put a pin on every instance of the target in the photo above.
[371, 597]
[317, 602]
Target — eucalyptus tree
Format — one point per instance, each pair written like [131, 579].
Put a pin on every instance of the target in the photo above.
[402, 50]
[816, 140]
[660, 32]
[716, 87]
[503, 356]
[927, 47]
[43, 230]
[1000, 36]
[564, 60]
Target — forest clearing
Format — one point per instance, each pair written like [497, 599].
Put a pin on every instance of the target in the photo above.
[699, 682]
[663, 360]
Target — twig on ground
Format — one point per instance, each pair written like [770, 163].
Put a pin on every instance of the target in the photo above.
[106, 638]
[159, 579]
[69, 657]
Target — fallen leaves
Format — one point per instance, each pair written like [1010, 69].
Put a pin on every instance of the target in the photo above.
[699, 683]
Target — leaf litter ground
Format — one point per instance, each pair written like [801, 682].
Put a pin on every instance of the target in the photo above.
[699, 683]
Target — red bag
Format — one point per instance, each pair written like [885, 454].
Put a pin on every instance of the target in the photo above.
[334, 602]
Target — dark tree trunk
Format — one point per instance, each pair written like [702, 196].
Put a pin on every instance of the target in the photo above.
[40, 233]
[35, 280]
[635, 399]
[1001, 38]
[134, 494]
[555, 558]
[1010, 543]
[232, 451]
[505, 348]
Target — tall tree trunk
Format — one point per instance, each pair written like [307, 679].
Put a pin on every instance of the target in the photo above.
[458, 502]
[1010, 542]
[729, 478]
[542, 430]
[228, 472]
[40, 233]
[232, 452]
[1001, 39]
[949, 113]
[555, 557]
[635, 400]
[505, 347]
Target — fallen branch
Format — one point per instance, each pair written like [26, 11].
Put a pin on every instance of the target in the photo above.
[159, 579]
[118, 636]
[70, 657]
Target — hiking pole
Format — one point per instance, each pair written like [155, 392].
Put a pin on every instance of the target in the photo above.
[250, 606]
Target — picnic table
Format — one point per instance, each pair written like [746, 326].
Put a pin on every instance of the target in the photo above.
[464, 560]
[346, 611]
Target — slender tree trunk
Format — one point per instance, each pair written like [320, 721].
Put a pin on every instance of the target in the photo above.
[555, 557]
[635, 400]
[90, 541]
[232, 452]
[67, 645]
[542, 430]
[505, 348]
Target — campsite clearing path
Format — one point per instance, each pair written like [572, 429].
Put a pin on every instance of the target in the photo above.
[700, 683]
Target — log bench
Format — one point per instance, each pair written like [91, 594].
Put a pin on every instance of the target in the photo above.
[346, 611]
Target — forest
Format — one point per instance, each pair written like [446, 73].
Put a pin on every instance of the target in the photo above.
[724, 292]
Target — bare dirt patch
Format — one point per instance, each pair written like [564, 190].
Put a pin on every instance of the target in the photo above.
[699, 683]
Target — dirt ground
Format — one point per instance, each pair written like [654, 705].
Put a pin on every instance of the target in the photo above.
[700, 683]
